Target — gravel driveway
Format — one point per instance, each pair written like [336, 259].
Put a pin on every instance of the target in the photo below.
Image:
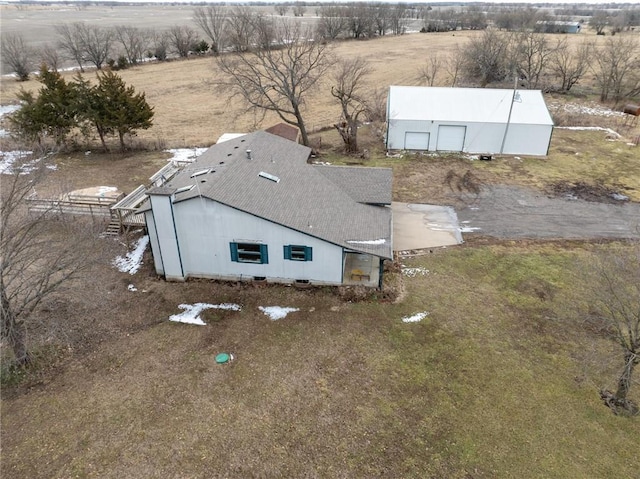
[515, 212]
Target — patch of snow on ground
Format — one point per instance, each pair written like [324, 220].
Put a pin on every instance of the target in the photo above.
[6, 110]
[186, 155]
[378, 241]
[619, 197]
[413, 272]
[592, 128]
[132, 288]
[468, 229]
[191, 313]
[586, 110]
[133, 259]
[415, 318]
[277, 312]
[102, 190]
[8, 159]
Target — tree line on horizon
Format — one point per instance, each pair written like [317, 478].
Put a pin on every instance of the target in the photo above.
[241, 28]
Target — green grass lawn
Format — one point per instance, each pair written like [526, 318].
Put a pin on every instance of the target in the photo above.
[487, 385]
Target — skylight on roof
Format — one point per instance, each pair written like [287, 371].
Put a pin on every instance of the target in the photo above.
[269, 176]
[184, 188]
[201, 172]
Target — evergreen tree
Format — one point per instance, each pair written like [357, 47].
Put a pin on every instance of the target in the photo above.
[117, 108]
[109, 106]
[51, 113]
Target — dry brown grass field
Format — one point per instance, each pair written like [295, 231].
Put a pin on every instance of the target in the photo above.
[500, 380]
[191, 111]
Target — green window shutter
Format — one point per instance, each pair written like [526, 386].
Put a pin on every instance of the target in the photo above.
[264, 253]
[287, 252]
[308, 253]
[234, 251]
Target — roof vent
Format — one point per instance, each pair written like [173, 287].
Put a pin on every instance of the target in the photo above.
[249, 155]
[273, 178]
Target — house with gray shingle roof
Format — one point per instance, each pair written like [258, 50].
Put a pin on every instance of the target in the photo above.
[254, 208]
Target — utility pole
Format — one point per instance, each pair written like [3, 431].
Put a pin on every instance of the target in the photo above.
[513, 99]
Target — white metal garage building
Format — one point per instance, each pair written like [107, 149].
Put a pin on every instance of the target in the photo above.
[472, 120]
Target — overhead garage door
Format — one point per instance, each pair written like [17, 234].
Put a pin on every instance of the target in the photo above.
[451, 138]
[416, 140]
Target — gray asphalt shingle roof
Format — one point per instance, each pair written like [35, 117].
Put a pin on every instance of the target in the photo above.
[327, 202]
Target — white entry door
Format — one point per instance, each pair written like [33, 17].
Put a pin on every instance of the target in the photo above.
[416, 140]
[451, 138]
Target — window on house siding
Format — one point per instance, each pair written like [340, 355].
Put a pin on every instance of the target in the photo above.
[249, 253]
[298, 253]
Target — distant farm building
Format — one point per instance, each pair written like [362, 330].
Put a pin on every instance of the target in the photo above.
[557, 26]
[471, 120]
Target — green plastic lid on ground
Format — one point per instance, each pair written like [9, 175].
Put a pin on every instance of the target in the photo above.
[223, 358]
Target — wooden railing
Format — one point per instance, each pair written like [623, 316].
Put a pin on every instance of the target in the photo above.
[126, 209]
[68, 207]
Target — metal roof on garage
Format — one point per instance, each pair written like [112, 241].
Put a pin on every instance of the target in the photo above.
[477, 105]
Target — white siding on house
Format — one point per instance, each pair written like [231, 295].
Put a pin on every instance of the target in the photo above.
[163, 218]
[206, 229]
[155, 246]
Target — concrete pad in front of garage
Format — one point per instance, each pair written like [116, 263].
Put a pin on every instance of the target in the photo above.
[417, 226]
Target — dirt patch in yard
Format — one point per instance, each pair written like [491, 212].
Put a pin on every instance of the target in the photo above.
[588, 192]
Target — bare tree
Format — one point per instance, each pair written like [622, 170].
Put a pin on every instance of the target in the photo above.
[181, 38]
[347, 83]
[531, 56]
[279, 77]
[569, 67]
[212, 20]
[382, 18]
[332, 23]
[599, 21]
[97, 43]
[159, 46]
[615, 66]
[41, 252]
[298, 9]
[265, 34]
[428, 72]
[453, 66]
[516, 18]
[474, 18]
[615, 311]
[71, 41]
[281, 9]
[486, 57]
[134, 40]
[360, 20]
[17, 55]
[398, 16]
[241, 29]
[50, 57]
